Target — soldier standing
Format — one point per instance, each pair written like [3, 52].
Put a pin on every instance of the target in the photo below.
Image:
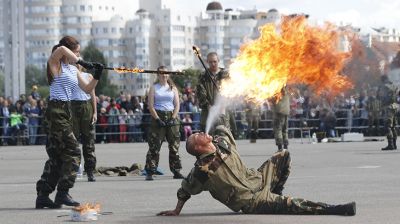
[390, 107]
[220, 170]
[61, 168]
[281, 110]
[374, 111]
[164, 107]
[84, 117]
[253, 114]
[206, 91]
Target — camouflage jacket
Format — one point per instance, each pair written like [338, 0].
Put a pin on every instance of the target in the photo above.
[206, 92]
[389, 94]
[283, 105]
[223, 174]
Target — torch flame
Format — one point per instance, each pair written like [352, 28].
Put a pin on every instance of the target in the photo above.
[298, 54]
[84, 208]
[127, 70]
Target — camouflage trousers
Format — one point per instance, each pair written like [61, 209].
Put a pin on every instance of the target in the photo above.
[82, 114]
[275, 172]
[156, 136]
[62, 148]
[280, 124]
[390, 124]
[373, 125]
[252, 128]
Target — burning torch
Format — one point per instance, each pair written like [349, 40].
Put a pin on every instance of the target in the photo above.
[138, 70]
[196, 50]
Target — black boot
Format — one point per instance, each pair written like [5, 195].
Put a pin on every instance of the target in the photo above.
[279, 148]
[43, 201]
[253, 137]
[348, 209]
[149, 177]
[90, 176]
[394, 143]
[63, 198]
[285, 146]
[390, 145]
[178, 175]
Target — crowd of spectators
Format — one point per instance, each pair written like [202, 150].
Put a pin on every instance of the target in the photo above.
[125, 117]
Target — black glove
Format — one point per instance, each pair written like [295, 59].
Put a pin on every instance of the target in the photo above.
[172, 122]
[161, 123]
[98, 70]
[85, 64]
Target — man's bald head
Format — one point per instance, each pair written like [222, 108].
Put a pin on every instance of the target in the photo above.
[199, 143]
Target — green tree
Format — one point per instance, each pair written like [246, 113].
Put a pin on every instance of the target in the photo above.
[190, 75]
[35, 76]
[91, 53]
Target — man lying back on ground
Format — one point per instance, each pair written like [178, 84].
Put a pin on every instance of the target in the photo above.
[220, 170]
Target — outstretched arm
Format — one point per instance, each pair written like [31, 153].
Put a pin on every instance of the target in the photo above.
[176, 211]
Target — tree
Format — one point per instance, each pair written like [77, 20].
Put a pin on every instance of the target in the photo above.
[190, 75]
[91, 53]
[35, 76]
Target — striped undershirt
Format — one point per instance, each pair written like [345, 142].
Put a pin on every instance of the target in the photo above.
[79, 94]
[64, 84]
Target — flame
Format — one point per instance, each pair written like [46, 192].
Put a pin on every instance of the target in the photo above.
[298, 54]
[84, 208]
[126, 70]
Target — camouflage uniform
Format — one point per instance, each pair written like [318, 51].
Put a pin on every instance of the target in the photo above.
[156, 136]
[389, 93]
[229, 181]
[206, 93]
[253, 114]
[374, 110]
[82, 115]
[281, 110]
[62, 148]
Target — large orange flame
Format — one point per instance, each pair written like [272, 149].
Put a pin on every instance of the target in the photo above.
[297, 54]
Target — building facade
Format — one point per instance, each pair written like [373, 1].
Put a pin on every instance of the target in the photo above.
[155, 34]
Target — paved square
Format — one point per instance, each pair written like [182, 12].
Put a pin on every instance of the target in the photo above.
[330, 172]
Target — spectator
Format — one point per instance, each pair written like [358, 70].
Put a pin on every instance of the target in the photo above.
[102, 126]
[4, 118]
[122, 125]
[33, 123]
[16, 125]
[35, 94]
[113, 122]
[187, 125]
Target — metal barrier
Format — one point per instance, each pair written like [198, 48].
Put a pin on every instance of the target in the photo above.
[265, 126]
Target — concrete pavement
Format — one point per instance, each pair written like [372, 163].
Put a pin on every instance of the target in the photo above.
[330, 172]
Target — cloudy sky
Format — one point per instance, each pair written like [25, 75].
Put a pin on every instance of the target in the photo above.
[361, 13]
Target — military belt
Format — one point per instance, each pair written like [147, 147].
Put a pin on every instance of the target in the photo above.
[59, 104]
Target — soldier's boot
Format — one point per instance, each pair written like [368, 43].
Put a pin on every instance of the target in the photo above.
[394, 143]
[90, 176]
[285, 146]
[43, 201]
[280, 148]
[178, 175]
[278, 190]
[63, 198]
[253, 137]
[149, 175]
[390, 145]
[348, 209]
